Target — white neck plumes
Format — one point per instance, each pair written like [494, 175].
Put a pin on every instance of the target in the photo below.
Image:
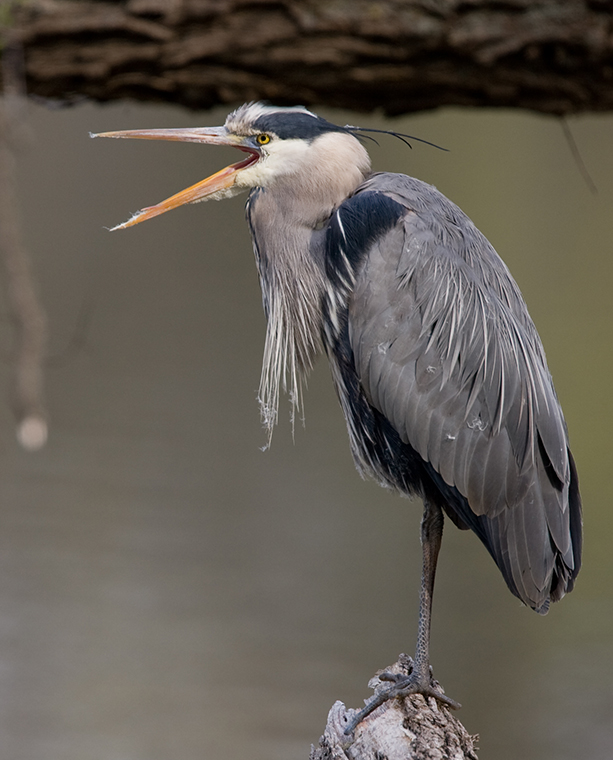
[298, 196]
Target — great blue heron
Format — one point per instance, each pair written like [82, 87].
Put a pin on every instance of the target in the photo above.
[438, 367]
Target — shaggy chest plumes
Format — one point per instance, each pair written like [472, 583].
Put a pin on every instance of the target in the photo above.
[288, 231]
[292, 286]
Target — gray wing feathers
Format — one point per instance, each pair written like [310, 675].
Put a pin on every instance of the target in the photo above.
[445, 349]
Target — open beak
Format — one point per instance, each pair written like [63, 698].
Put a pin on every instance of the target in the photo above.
[217, 186]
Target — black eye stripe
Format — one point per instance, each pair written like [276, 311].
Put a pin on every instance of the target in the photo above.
[295, 125]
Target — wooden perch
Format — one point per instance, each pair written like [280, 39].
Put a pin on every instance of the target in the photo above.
[552, 56]
[401, 729]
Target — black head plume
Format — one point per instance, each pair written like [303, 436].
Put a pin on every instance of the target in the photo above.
[400, 135]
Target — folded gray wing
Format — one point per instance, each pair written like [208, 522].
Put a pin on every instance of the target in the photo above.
[445, 349]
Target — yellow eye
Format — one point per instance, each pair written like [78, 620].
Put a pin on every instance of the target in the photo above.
[262, 139]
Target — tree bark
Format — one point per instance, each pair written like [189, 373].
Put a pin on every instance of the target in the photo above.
[401, 729]
[400, 56]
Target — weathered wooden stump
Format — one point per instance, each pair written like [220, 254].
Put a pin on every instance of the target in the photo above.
[413, 728]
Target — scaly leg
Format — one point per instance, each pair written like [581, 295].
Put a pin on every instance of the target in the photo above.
[419, 681]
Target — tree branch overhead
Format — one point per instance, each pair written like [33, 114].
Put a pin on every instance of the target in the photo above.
[551, 56]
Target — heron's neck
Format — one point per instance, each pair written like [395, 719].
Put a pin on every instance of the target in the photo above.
[287, 220]
[290, 264]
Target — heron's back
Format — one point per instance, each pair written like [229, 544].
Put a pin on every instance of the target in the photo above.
[444, 383]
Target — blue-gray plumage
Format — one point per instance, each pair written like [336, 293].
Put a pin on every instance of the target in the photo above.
[438, 367]
[443, 348]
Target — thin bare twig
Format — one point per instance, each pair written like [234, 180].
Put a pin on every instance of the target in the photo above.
[574, 150]
[26, 312]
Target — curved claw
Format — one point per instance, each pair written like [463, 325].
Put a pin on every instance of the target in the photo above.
[401, 687]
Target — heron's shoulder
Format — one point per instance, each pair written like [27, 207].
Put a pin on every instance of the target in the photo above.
[394, 182]
[362, 218]
[409, 191]
[419, 199]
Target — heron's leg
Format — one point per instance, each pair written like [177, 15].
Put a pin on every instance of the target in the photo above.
[431, 537]
[419, 680]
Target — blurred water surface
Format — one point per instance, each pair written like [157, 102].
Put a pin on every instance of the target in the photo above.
[167, 589]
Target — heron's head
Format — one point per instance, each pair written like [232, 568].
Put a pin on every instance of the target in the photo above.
[291, 149]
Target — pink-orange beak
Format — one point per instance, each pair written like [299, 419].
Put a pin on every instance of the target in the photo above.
[219, 185]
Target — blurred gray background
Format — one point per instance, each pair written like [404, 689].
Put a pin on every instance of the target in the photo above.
[167, 589]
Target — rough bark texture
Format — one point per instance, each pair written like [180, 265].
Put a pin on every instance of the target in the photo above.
[553, 56]
[401, 729]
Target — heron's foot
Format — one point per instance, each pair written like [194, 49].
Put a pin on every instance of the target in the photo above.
[402, 685]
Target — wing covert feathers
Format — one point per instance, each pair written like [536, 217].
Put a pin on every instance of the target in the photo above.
[445, 349]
